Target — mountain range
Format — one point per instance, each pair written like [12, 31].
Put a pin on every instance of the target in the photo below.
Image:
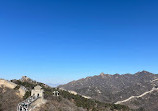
[104, 92]
[138, 91]
[10, 97]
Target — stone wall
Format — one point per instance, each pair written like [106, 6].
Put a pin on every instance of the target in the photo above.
[22, 91]
[11, 85]
[35, 105]
[8, 84]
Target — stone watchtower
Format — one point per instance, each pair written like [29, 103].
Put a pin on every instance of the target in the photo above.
[36, 99]
[37, 92]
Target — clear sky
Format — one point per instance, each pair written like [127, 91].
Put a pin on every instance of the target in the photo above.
[56, 41]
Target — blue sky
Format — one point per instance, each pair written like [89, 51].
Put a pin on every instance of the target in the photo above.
[56, 41]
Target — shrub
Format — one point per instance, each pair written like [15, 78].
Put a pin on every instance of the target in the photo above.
[17, 87]
[27, 94]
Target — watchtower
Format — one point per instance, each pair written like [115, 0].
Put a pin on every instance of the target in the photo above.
[37, 91]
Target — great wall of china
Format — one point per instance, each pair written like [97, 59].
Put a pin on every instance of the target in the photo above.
[155, 88]
[35, 100]
[30, 104]
[4, 83]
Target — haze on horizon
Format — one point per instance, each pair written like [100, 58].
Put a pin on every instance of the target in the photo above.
[59, 41]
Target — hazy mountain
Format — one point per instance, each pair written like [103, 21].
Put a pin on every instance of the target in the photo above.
[53, 85]
[114, 88]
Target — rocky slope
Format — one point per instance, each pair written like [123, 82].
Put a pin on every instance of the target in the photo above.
[148, 101]
[114, 88]
[8, 99]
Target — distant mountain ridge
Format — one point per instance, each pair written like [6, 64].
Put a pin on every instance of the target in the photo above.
[114, 88]
[53, 85]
